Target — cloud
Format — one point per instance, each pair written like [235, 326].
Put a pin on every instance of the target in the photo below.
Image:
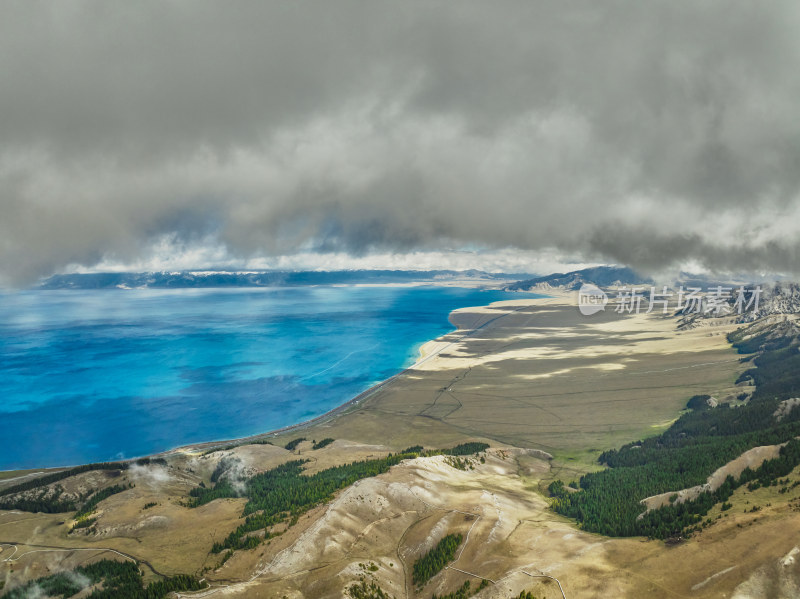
[173, 255]
[78, 579]
[35, 592]
[236, 469]
[153, 476]
[650, 134]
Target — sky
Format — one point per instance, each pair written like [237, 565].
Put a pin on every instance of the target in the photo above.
[513, 136]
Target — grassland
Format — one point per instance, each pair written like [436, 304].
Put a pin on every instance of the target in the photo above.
[543, 376]
[545, 387]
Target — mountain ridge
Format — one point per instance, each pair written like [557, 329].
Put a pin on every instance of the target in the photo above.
[602, 276]
[254, 278]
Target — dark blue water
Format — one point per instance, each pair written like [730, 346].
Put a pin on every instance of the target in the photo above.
[97, 375]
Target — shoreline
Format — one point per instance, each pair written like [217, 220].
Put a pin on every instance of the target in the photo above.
[424, 356]
[427, 351]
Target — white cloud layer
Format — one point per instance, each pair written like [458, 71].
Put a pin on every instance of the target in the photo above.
[361, 134]
[170, 255]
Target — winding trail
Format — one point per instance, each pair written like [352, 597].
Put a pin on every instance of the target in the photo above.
[53, 549]
[12, 559]
[8, 559]
[560, 588]
[100, 549]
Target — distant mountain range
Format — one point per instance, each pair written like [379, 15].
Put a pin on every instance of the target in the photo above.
[777, 298]
[602, 276]
[199, 279]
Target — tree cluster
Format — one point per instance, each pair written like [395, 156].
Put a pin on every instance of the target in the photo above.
[466, 449]
[464, 591]
[291, 445]
[320, 444]
[430, 564]
[120, 580]
[699, 442]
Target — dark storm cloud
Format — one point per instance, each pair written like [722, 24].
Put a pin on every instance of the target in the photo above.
[649, 133]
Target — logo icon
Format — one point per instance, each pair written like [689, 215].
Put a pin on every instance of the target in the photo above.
[591, 299]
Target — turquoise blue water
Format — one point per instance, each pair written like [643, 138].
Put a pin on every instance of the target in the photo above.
[107, 374]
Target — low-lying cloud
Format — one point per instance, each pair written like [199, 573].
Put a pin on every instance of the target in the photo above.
[652, 134]
[152, 475]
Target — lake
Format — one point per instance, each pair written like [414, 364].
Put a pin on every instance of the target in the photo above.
[95, 375]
